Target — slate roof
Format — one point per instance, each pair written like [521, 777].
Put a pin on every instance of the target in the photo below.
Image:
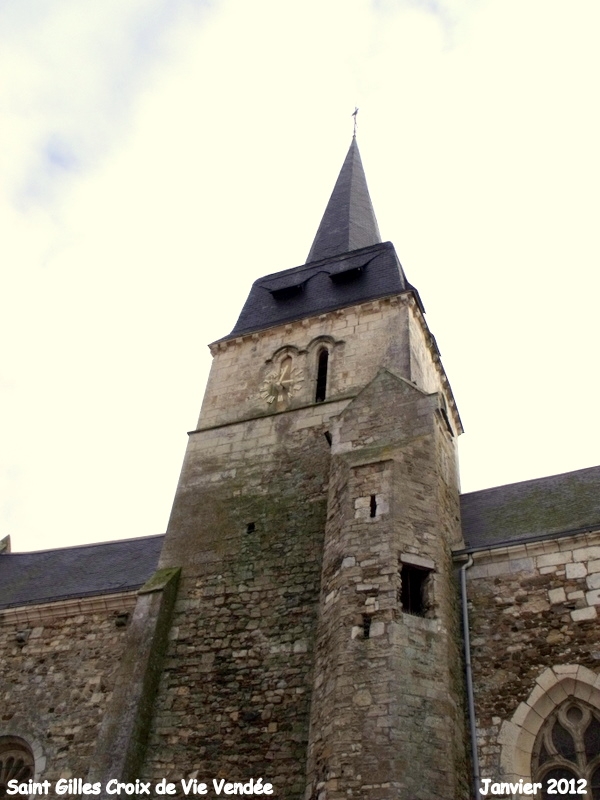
[94, 569]
[535, 509]
[349, 220]
[530, 510]
[347, 264]
[311, 289]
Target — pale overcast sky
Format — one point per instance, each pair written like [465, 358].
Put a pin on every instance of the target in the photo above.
[157, 156]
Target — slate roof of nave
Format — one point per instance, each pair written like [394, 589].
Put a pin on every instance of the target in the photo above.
[530, 510]
[46, 576]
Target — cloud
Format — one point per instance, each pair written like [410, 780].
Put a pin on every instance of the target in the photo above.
[75, 70]
[451, 15]
[165, 154]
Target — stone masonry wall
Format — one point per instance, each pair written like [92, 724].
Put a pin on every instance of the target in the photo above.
[531, 607]
[386, 718]
[247, 529]
[388, 332]
[240, 365]
[57, 667]
[425, 364]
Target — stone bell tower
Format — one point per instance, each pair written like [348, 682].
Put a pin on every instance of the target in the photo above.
[315, 640]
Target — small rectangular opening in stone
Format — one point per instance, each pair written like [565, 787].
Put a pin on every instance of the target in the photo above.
[413, 589]
[250, 527]
[328, 437]
[366, 626]
[373, 505]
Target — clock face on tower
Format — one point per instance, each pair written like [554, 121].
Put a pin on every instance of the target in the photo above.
[282, 384]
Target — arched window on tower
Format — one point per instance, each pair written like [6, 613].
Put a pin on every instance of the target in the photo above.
[16, 762]
[322, 360]
[567, 752]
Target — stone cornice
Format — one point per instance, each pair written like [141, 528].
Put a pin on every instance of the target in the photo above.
[343, 400]
[436, 358]
[38, 613]
[549, 544]
[223, 345]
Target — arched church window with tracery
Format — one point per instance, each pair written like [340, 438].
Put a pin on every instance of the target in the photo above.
[16, 761]
[567, 752]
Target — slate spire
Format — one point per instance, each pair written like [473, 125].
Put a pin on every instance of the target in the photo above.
[349, 220]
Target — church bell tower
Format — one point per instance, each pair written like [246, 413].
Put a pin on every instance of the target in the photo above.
[315, 636]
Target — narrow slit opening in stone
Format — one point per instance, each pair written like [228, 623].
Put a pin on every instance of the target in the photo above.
[373, 505]
[366, 626]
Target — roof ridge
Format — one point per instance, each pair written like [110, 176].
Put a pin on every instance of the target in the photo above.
[533, 480]
[86, 545]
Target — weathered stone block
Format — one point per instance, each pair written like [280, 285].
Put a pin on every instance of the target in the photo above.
[557, 595]
[593, 581]
[575, 570]
[580, 614]
[553, 559]
[586, 553]
[593, 598]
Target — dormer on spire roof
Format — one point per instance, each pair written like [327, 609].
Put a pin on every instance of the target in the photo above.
[349, 220]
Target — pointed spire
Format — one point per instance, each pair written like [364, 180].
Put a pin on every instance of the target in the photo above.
[349, 220]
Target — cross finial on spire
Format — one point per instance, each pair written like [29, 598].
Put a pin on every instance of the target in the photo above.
[354, 113]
